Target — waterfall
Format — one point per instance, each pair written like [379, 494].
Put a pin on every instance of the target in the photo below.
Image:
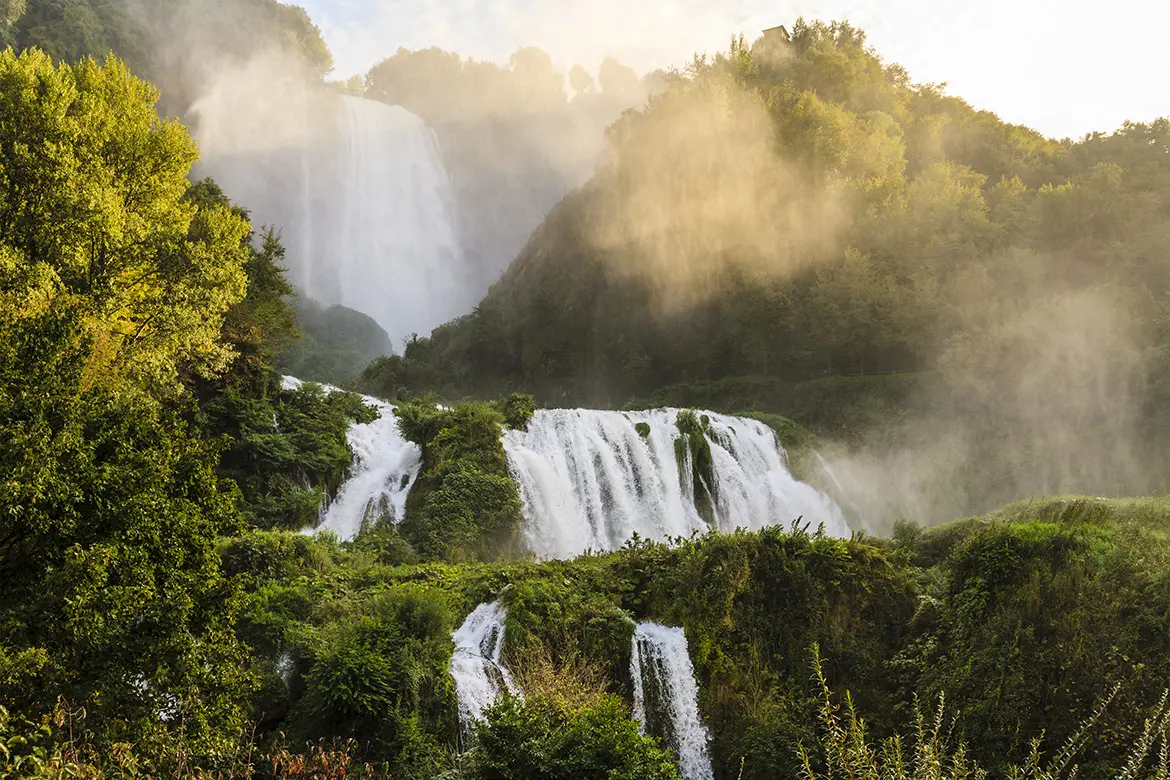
[666, 697]
[392, 251]
[385, 466]
[357, 187]
[479, 674]
[384, 470]
[590, 480]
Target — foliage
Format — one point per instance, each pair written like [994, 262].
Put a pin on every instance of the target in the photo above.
[335, 346]
[111, 509]
[289, 449]
[164, 41]
[114, 289]
[464, 504]
[847, 749]
[91, 187]
[798, 228]
[383, 677]
[540, 738]
[517, 409]
[692, 446]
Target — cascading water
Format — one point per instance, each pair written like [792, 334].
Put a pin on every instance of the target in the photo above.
[590, 480]
[392, 252]
[479, 674]
[385, 466]
[666, 697]
[357, 187]
[384, 470]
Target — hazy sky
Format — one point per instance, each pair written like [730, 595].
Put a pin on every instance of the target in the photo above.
[1065, 68]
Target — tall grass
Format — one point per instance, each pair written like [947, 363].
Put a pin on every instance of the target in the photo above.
[847, 752]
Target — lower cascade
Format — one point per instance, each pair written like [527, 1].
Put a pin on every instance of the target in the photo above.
[591, 479]
[480, 676]
[666, 697]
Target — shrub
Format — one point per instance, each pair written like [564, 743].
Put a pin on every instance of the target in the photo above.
[542, 739]
[517, 410]
[464, 504]
[382, 677]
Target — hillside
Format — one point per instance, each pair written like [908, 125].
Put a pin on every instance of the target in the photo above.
[791, 211]
[209, 569]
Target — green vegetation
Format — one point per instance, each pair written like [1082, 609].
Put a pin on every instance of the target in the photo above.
[692, 445]
[464, 505]
[798, 228]
[934, 753]
[162, 616]
[164, 41]
[139, 319]
[1024, 624]
[543, 739]
[336, 344]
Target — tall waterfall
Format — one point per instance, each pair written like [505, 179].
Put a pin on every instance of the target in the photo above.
[666, 697]
[389, 249]
[357, 187]
[590, 480]
[479, 674]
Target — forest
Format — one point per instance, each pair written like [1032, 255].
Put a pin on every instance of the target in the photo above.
[960, 310]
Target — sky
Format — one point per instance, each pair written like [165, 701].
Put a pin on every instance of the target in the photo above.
[1063, 67]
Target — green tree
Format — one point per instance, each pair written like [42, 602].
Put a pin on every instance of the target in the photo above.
[91, 194]
[10, 13]
[109, 511]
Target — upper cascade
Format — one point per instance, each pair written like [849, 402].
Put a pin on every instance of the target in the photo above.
[590, 479]
[359, 191]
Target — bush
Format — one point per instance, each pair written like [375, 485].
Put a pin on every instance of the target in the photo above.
[465, 504]
[693, 438]
[517, 410]
[540, 739]
[382, 677]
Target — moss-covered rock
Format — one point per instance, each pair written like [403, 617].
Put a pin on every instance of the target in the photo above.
[693, 442]
[464, 505]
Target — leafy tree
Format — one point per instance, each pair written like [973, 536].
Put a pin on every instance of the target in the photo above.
[617, 79]
[580, 80]
[91, 195]
[111, 507]
[10, 13]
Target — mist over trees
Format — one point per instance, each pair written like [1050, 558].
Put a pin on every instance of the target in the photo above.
[514, 139]
[778, 228]
[176, 44]
[800, 209]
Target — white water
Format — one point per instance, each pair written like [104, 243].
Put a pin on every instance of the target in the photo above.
[479, 674]
[384, 470]
[666, 697]
[385, 466]
[590, 481]
[392, 251]
[358, 189]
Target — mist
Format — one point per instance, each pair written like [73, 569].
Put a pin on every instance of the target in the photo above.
[768, 212]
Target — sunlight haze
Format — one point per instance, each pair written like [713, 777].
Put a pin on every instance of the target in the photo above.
[1065, 69]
